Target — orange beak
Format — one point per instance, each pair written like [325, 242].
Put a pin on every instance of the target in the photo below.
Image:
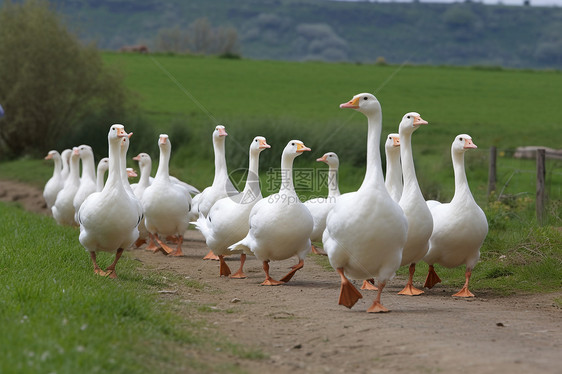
[302, 148]
[263, 144]
[48, 157]
[469, 144]
[131, 173]
[163, 139]
[396, 141]
[419, 121]
[121, 133]
[322, 159]
[130, 134]
[136, 158]
[76, 151]
[222, 132]
[353, 103]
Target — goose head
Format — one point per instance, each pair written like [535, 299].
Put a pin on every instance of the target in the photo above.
[117, 132]
[463, 142]
[131, 173]
[410, 123]
[365, 103]
[219, 132]
[85, 151]
[143, 159]
[295, 148]
[392, 142]
[258, 144]
[331, 159]
[52, 155]
[164, 143]
[103, 165]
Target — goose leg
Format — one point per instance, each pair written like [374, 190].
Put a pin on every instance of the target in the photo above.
[316, 251]
[290, 274]
[110, 271]
[348, 293]
[97, 269]
[240, 273]
[464, 292]
[268, 280]
[211, 256]
[178, 252]
[224, 270]
[162, 246]
[377, 306]
[410, 289]
[369, 284]
[151, 244]
[432, 278]
[139, 242]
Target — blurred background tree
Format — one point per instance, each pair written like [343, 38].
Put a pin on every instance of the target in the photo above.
[51, 86]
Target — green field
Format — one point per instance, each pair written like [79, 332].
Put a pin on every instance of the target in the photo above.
[56, 315]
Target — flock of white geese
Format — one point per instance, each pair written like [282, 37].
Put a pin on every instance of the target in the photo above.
[367, 234]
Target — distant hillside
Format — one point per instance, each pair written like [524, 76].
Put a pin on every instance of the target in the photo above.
[459, 34]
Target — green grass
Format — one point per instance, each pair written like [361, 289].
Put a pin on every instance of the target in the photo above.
[56, 316]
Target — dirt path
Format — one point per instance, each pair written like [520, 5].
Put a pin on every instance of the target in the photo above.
[302, 329]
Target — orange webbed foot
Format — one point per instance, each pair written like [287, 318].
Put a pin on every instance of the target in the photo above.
[377, 307]
[410, 290]
[369, 284]
[464, 292]
[224, 270]
[271, 282]
[349, 295]
[211, 256]
[432, 278]
[316, 251]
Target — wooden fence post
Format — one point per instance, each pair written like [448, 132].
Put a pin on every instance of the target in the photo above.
[541, 173]
[492, 176]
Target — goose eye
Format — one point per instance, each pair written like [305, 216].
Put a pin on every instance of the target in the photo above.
[256, 140]
[365, 98]
[461, 139]
[292, 143]
[408, 117]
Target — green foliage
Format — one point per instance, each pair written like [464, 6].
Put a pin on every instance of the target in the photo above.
[51, 87]
[470, 33]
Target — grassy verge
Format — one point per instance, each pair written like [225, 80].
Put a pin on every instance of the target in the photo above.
[56, 316]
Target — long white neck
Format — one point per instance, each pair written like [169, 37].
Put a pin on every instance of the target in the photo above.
[100, 179]
[462, 190]
[114, 171]
[253, 180]
[88, 168]
[411, 185]
[287, 185]
[333, 189]
[145, 170]
[393, 180]
[221, 173]
[163, 172]
[57, 167]
[65, 167]
[74, 173]
[373, 175]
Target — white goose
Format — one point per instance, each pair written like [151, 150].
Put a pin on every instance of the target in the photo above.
[459, 227]
[145, 166]
[109, 219]
[103, 167]
[412, 202]
[63, 210]
[88, 183]
[55, 183]
[366, 230]
[321, 206]
[221, 187]
[227, 221]
[166, 204]
[393, 178]
[280, 225]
